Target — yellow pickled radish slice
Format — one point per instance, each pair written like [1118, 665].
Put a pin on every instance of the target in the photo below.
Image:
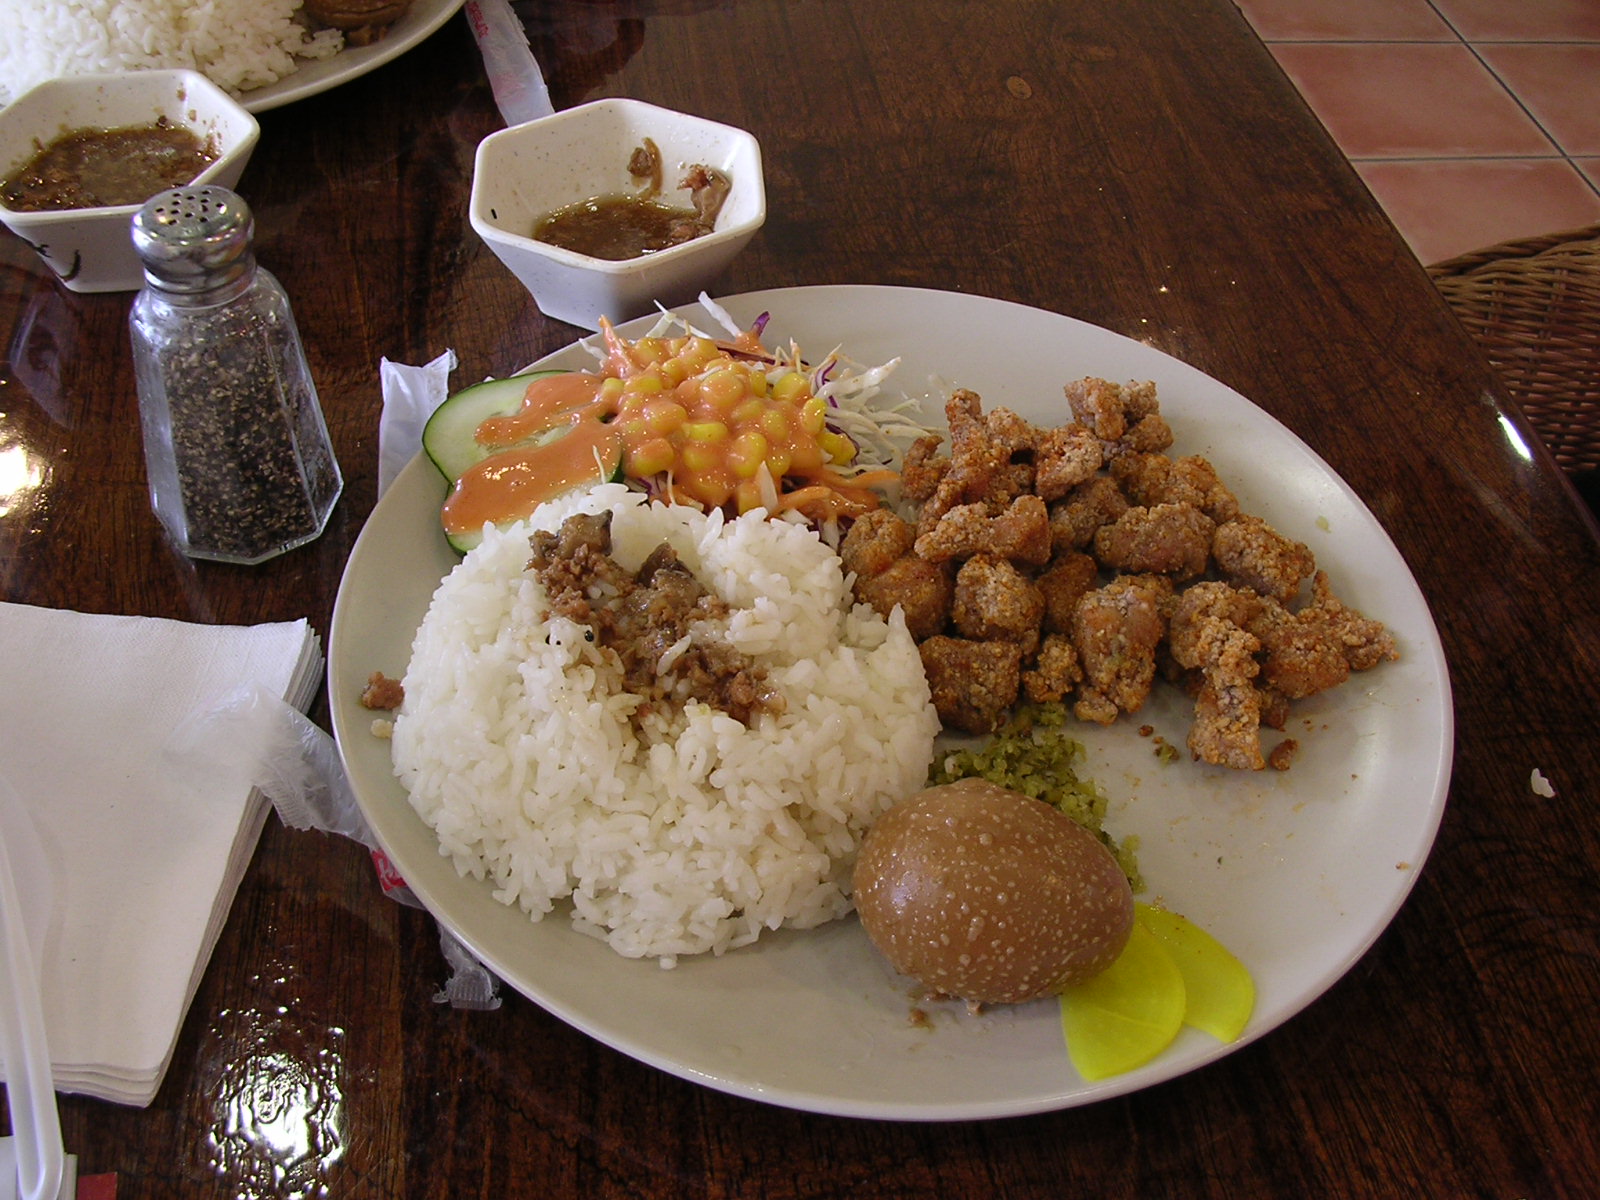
[1221, 993]
[1126, 1015]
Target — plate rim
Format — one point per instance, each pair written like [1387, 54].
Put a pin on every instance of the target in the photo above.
[329, 73]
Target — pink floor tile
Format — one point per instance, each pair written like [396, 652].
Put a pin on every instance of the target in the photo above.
[1559, 85]
[1522, 20]
[1445, 208]
[1345, 20]
[1590, 167]
[1410, 100]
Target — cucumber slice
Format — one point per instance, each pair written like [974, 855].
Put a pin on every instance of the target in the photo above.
[449, 436]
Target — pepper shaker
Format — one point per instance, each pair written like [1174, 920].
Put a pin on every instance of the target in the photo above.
[238, 456]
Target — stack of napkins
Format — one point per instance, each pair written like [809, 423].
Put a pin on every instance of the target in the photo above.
[145, 855]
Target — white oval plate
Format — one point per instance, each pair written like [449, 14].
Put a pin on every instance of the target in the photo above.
[1298, 872]
[320, 74]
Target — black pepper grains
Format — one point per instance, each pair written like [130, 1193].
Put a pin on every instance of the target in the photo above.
[239, 460]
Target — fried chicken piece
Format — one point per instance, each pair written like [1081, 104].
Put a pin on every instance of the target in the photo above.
[1366, 642]
[1252, 554]
[1006, 485]
[1302, 656]
[1227, 713]
[1020, 533]
[996, 602]
[1168, 539]
[1210, 634]
[923, 590]
[1198, 609]
[923, 468]
[1316, 648]
[1067, 456]
[1069, 576]
[877, 548]
[874, 540]
[1152, 478]
[1012, 434]
[1124, 417]
[1055, 671]
[1075, 518]
[1115, 631]
[972, 683]
[974, 454]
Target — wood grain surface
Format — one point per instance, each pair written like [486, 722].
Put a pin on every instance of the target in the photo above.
[1141, 166]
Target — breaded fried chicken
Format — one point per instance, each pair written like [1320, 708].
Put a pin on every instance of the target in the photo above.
[1168, 539]
[1115, 631]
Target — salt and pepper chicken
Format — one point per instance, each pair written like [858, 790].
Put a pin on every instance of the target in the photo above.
[1083, 563]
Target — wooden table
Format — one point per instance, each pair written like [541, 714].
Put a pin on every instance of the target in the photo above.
[1144, 167]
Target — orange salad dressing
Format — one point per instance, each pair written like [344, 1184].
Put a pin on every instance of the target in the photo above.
[699, 418]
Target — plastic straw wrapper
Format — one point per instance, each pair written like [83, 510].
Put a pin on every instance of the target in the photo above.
[514, 74]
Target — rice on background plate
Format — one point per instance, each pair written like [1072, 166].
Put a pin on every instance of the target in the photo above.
[238, 44]
[682, 832]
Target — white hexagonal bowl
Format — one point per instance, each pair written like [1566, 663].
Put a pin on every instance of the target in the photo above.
[528, 171]
[91, 249]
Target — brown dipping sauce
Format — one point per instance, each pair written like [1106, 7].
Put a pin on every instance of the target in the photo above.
[619, 226]
[97, 168]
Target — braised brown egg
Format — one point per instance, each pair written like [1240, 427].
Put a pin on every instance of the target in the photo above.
[982, 893]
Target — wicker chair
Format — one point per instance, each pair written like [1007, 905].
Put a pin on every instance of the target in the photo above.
[1533, 305]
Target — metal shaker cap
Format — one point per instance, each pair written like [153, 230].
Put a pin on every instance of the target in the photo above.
[192, 239]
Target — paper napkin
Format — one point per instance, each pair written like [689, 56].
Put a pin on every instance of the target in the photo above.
[146, 856]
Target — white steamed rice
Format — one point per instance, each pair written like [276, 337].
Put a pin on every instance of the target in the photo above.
[238, 44]
[694, 833]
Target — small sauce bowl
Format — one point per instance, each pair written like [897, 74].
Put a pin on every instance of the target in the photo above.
[91, 249]
[528, 171]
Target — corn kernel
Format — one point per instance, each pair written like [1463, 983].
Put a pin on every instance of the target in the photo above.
[643, 385]
[674, 371]
[663, 416]
[698, 351]
[775, 424]
[712, 488]
[836, 446]
[778, 462]
[650, 350]
[706, 431]
[748, 452]
[611, 389]
[651, 457]
[700, 456]
[790, 385]
[723, 389]
[758, 381]
[748, 412]
[813, 415]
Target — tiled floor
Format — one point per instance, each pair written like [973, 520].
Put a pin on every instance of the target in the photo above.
[1472, 121]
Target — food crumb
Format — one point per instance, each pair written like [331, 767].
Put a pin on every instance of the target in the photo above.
[918, 1018]
[382, 728]
[382, 692]
[1281, 757]
[1540, 785]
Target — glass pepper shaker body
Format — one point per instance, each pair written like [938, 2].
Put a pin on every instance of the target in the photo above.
[240, 465]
